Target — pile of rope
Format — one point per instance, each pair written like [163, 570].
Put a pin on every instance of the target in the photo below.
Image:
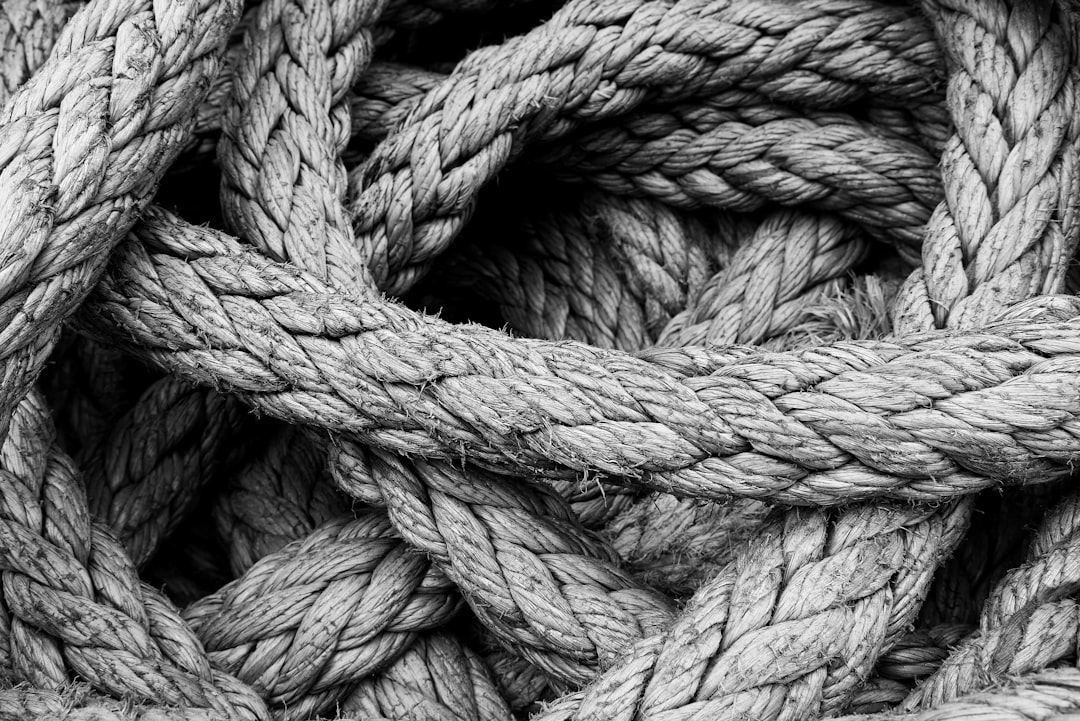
[597, 360]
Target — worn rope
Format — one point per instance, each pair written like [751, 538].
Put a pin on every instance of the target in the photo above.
[362, 367]
[276, 498]
[27, 32]
[306, 623]
[529, 571]
[285, 128]
[739, 153]
[417, 190]
[592, 267]
[72, 602]
[86, 140]
[145, 476]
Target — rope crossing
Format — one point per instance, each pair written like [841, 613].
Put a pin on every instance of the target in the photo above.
[609, 360]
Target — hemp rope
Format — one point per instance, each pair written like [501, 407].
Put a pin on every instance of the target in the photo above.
[305, 623]
[194, 301]
[591, 267]
[612, 594]
[389, 91]
[86, 140]
[414, 193]
[712, 691]
[145, 477]
[72, 601]
[738, 153]
[88, 386]
[278, 500]
[27, 33]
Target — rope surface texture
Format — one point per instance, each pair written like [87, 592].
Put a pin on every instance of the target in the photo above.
[593, 360]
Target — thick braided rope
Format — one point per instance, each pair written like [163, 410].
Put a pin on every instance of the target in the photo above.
[78, 703]
[794, 624]
[1008, 223]
[389, 91]
[86, 139]
[305, 624]
[145, 476]
[1028, 621]
[437, 678]
[737, 151]
[600, 60]
[27, 32]
[542, 585]
[735, 692]
[1044, 695]
[285, 127]
[72, 601]
[194, 301]
[763, 291]
[592, 267]
[639, 608]
[278, 497]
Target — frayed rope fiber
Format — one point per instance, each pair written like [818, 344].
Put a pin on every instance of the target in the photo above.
[506, 359]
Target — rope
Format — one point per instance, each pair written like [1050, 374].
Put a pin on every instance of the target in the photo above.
[145, 477]
[89, 386]
[738, 153]
[414, 194]
[436, 678]
[304, 623]
[763, 291]
[73, 602]
[279, 497]
[796, 621]
[86, 140]
[591, 267]
[695, 427]
[27, 33]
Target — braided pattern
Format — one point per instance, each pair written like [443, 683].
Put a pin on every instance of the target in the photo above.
[530, 573]
[738, 153]
[73, 601]
[417, 190]
[1008, 225]
[436, 679]
[1047, 694]
[78, 704]
[86, 140]
[693, 435]
[764, 290]
[594, 267]
[145, 476]
[285, 127]
[675, 544]
[1025, 623]
[307, 622]
[27, 32]
[279, 497]
[795, 624]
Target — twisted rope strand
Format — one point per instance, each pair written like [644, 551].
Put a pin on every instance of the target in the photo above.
[73, 601]
[306, 623]
[85, 141]
[145, 476]
[738, 153]
[419, 186]
[195, 302]
[286, 126]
